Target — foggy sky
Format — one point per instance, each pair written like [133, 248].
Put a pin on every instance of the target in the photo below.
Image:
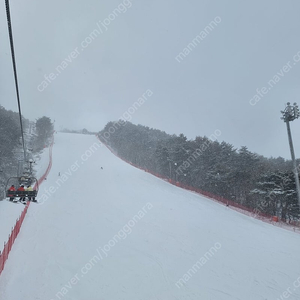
[101, 76]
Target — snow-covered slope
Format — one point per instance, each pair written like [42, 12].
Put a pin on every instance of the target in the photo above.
[120, 233]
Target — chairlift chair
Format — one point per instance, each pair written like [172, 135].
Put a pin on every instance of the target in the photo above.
[17, 181]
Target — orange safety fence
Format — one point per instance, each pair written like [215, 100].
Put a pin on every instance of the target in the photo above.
[253, 212]
[16, 229]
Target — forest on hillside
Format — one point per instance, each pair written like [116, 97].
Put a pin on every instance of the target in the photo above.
[36, 136]
[264, 184]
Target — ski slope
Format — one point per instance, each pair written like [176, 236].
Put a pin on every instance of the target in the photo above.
[119, 233]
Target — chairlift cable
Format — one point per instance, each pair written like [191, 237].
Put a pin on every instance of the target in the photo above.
[15, 70]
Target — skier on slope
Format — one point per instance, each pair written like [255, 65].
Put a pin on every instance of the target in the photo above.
[12, 189]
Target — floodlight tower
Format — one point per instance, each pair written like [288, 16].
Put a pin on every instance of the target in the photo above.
[290, 114]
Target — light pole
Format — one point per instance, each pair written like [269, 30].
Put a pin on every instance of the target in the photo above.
[20, 167]
[171, 151]
[170, 166]
[169, 159]
[30, 166]
[290, 114]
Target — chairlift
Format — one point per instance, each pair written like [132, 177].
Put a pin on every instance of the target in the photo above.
[18, 181]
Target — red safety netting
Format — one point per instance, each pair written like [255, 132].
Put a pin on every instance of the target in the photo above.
[42, 178]
[255, 213]
[15, 231]
[11, 239]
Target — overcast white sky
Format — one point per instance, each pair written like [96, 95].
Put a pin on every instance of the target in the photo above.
[209, 89]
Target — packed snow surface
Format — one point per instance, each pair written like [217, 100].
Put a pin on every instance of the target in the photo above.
[117, 233]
